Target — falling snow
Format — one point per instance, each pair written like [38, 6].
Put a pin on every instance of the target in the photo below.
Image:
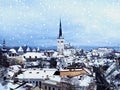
[84, 22]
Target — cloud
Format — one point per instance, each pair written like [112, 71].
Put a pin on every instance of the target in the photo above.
[83, 21]
[113, 13]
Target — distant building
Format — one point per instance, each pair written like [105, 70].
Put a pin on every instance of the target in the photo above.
[12, 52]
[20, 51]
[35, 76]
[34, 55]
[4, 50]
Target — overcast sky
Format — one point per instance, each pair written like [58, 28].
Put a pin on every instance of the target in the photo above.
[36, 22]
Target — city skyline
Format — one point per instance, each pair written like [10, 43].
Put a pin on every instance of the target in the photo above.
[36, 22]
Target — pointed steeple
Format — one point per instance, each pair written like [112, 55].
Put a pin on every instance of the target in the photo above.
[60, 40]
[60, 29]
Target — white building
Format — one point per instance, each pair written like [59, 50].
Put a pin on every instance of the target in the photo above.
[36, 75]
[12, 52]
[34, 55]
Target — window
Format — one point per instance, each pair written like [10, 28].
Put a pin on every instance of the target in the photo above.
[45, 87]
[37, 72]
[35, 56]
[49, 88]
[36, 83]
[39, 83]
[53, 88]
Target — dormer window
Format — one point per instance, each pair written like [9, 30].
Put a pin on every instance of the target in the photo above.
[37, 72]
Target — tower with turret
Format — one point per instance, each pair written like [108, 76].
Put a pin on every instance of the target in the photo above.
[4, 50]
[60, 40]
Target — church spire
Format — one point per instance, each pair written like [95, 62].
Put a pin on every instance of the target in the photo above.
[60, 40]
[60, 29]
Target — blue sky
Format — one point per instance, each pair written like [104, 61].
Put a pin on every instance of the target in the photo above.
[36, 22]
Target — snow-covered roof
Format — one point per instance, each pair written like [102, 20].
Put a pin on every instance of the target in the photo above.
[102, 62]
[67, 52]
[2, 87]
[20, 49]
[34, 50]
[28, 49]
[53, 80]
[106, 49]
[85, 81]
[15, 68]
[34, 54]
[117, 54]
[113, 66]
[55, 54]
[12, 50]
[35, 63]
[37, 73]
[10, 74]
[38, 49]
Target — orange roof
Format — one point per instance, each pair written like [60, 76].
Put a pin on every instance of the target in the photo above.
[36, 88]
[73, 73]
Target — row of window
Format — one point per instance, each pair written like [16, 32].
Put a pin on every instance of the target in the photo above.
[34, 57]
[50, 88]
[37, 83]
[60, 41]
[30, 57]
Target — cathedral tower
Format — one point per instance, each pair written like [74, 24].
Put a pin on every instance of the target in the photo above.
[60, 40]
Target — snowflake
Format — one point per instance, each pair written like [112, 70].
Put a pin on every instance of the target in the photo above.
[19, 17]
[44, 24]
[31, 36]
[40, 13]
[68, 23]
[11, 7]
[89, 41]
[18, 1]
[74, 2]
[24, 32]
[54, 7]
[13, 38]
[19, 41]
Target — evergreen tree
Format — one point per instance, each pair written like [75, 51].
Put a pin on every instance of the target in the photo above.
[3, 60]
